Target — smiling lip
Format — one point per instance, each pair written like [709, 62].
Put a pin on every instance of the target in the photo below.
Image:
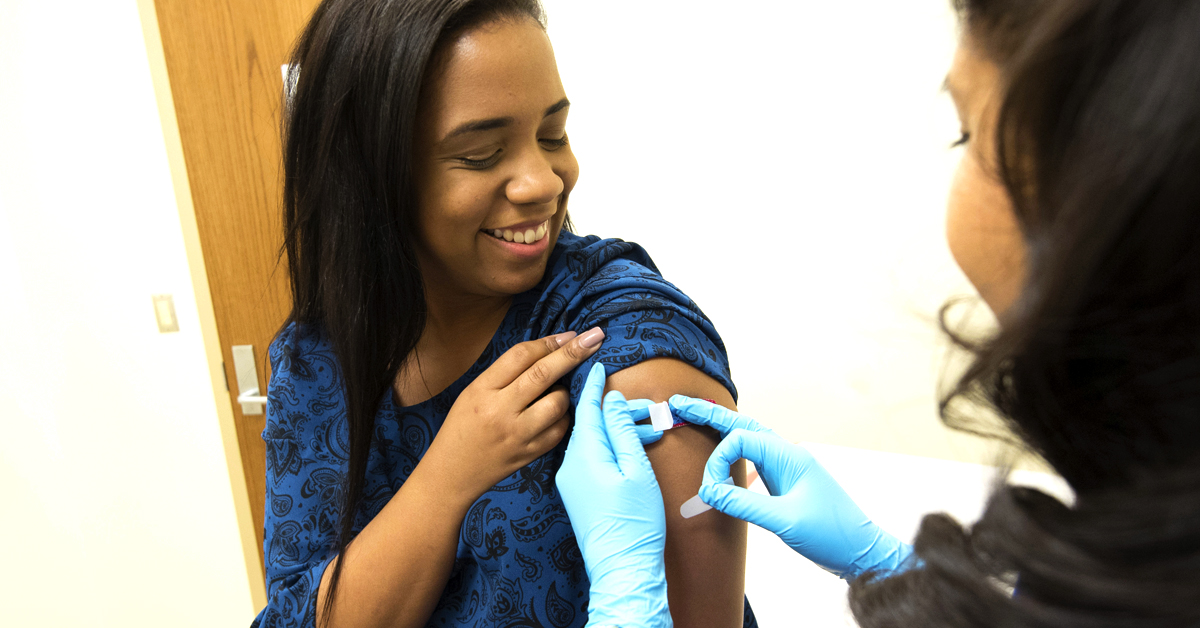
[526, 233]
[524, 240]
[533, 224]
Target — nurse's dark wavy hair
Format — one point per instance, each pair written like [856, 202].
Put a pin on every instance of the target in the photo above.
[1097, 368]
[350, 195]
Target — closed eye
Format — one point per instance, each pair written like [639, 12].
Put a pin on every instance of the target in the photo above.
[552, 144]
[481, 164]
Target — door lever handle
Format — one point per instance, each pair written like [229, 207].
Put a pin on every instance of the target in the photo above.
[251, 397]
[247, 380]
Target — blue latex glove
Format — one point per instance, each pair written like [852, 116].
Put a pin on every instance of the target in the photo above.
[640, 409]
[806, 507]
[616, 509]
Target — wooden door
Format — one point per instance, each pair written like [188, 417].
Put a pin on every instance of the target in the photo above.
[223, 61]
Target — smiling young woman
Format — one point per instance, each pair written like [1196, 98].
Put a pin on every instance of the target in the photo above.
[416, 414]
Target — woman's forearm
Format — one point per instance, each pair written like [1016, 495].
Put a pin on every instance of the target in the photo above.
[398, 565]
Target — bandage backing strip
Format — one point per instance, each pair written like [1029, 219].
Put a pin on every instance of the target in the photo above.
[695, 506]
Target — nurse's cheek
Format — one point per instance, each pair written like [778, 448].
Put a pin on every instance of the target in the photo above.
[984, 235]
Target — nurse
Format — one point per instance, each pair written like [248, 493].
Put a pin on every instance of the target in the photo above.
[1076, 214]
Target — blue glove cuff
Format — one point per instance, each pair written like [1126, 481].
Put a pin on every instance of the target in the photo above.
[643, 605]
[887, 557]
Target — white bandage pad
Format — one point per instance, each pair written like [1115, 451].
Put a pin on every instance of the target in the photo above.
[694, 506]
[660, 417]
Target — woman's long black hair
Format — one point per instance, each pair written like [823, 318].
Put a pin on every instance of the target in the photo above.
[1097, 368]
[349, 196]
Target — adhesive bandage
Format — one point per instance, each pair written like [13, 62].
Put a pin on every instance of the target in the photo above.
[660, 417]
[695, 506]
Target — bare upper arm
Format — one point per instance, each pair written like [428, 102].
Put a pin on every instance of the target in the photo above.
[705, 555]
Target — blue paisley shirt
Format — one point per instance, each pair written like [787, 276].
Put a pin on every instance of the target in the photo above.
[517, 563]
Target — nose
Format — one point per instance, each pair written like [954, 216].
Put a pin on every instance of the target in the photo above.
[534, 181]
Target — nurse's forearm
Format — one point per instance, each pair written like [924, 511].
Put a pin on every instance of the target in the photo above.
[397, 567]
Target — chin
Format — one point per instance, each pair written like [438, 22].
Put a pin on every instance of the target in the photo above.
[519, 282]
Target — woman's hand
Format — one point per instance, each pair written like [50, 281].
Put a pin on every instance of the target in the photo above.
[616, 509]
[807, 508]
[506, 418]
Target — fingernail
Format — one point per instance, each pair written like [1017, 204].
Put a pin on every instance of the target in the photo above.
[564, 337]
[591, 338]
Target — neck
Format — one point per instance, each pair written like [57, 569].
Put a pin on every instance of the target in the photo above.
[462, 316]
[458, 327]
[454, 318]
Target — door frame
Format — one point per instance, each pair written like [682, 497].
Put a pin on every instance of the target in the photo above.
[204, 303]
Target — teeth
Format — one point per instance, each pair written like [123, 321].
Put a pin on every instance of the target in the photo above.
[528, 236]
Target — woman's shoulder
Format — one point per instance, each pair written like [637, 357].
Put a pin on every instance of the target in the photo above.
[615, 285]
[302, 355]
[304, 396]
[593, 280]
[297, 338]
[590, 266]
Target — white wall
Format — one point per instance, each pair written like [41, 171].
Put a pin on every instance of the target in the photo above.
[116, 496]
[786, 164]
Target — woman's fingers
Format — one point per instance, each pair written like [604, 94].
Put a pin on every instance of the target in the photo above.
[544, 412]
[519, 358]
[551, 436]
[703, 412]
[543, 373]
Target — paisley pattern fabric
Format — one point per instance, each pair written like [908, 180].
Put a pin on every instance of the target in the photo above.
[517, 563]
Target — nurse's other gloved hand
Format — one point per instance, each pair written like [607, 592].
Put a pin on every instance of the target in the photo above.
[616, 509]
[806, 507]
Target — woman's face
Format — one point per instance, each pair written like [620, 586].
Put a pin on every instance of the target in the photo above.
[493, 166]
[981, 227]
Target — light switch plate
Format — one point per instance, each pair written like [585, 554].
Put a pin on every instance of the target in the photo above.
[164, 311]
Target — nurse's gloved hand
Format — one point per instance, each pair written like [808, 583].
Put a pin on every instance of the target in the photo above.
[616, 509]
[806, 507]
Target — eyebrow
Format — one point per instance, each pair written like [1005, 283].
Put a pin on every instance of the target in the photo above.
[491, 124]
[557, 107]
